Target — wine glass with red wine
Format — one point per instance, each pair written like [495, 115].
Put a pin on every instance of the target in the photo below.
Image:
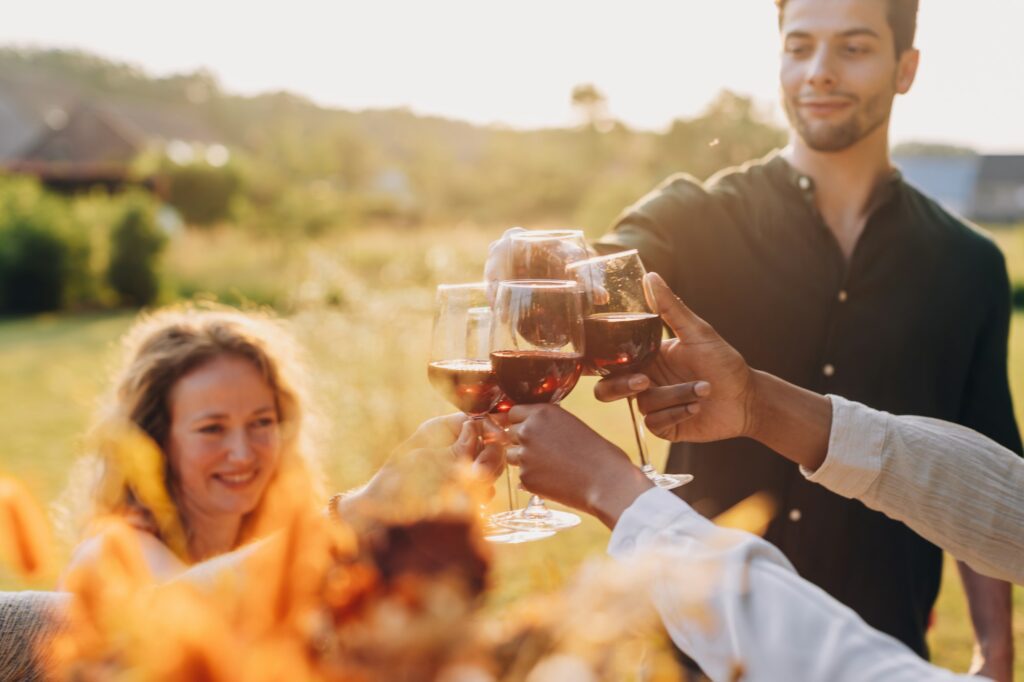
[544, 254]
[460, 371]
[537, 345]
[622, 333]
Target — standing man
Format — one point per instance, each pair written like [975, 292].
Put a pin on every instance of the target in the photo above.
[822, 266]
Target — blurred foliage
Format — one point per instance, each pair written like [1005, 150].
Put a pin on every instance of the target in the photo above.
[300, 169]
[42, 258]
[56, 252]
[136, 243]
[204, 194]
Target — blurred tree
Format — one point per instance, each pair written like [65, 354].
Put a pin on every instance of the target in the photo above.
[297, 168]
[592, 106]
[43, 259]
[135, 249]
[33, 267]
[202, 193]
[729, 132]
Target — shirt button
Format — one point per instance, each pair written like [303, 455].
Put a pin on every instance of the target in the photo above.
[842, 296]
[828, 370]
[795, 515]
[804, 182]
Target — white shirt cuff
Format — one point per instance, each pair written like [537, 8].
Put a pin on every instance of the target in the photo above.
[855, 444]
[652, 511]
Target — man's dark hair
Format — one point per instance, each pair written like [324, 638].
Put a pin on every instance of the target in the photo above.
[902, 16]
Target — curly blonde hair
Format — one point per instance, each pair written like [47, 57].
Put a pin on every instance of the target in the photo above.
[126, 470]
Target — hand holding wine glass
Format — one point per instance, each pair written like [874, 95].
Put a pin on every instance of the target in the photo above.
[460, 371]
[536, 351]
[698, 389]
[563, 459]
[622, 333]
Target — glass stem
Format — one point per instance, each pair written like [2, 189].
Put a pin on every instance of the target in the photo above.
[535, 508]
[638, 431]
[508, 482]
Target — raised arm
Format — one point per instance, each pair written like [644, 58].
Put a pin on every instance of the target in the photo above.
[923, 472]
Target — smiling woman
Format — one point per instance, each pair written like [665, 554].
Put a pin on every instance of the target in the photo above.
[201, 444]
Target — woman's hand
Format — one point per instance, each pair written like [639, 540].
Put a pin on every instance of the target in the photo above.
[475, 440]
[426, 458]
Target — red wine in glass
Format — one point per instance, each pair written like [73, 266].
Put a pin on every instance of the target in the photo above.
[470, 385]
[620, 343]
[535, 376]
[537, 344]
[460, 370]
[504, 405]
[622, 333]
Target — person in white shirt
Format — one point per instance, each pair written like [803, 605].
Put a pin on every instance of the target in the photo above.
[950, 484]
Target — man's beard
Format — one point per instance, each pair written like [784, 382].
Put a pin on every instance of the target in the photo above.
[837, 137]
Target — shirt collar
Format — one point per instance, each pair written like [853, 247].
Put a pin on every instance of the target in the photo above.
[804, 184]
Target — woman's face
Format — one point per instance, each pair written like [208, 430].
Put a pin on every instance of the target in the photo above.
[224, 441]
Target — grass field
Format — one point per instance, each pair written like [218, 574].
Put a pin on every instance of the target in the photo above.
[361, 305]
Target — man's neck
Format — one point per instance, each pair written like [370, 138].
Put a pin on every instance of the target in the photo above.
[844, 181]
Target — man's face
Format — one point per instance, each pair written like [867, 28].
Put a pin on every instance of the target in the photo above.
[840, 71]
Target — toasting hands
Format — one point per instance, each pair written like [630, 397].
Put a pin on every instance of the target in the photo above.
[698, 388]
[561, 458]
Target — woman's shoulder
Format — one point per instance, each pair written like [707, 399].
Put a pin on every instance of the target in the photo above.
[130, 544]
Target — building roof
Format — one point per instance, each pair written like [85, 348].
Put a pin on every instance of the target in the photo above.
[30, 104]
[1002, 168]
[84, 136]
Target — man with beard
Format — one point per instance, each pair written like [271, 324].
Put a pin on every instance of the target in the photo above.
[822, 266]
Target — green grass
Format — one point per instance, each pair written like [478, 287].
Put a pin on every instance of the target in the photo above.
[361, 304]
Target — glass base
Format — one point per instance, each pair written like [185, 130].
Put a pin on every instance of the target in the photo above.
[533, 520]
[666, 481]
[500, 535]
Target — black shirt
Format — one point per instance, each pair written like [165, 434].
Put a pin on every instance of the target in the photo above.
[915, 323]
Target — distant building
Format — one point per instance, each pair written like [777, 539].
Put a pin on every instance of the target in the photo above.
[983, 188]
[83, 148]
[70, 141]
[999, 191]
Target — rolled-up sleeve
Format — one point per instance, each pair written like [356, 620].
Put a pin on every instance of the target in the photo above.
[951, 485]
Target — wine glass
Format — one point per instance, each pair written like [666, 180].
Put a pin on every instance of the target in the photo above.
[537, 345]
[460, 370]
[622, 333]
[544, 254]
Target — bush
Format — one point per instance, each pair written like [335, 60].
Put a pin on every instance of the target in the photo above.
[136, 243]
[43, 259]
[203, 194]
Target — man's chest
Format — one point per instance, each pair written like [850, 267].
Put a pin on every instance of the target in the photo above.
[887, 327]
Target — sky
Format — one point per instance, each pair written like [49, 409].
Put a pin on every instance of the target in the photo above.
[515, 63]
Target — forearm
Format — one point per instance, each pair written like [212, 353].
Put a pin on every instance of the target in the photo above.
[951, 485]
[990, 604]
[791, 420]
[615, 493]
[732, 602]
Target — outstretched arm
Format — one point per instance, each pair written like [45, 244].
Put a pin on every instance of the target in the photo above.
[727, 598]
[950, 484]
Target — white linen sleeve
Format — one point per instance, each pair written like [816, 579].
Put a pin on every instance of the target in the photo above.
[732, 602]
[951, 485]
